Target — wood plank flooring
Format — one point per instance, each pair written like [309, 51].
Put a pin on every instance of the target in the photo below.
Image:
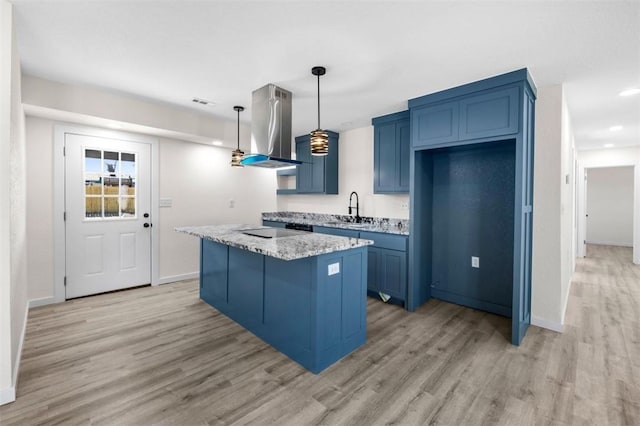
[161, 356]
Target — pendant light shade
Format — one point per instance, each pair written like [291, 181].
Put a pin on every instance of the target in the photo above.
[237, 154]
[319, 138]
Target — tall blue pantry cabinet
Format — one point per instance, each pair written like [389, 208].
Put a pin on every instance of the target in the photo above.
[471, 190]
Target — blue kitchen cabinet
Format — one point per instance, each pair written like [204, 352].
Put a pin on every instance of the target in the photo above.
[391, 146]
[387, 267]
[317, 174]
[386, 260]
[489, 113]
[472, 196]
[311, 309]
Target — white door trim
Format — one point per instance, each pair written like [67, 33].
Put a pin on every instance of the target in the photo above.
[582, 188]
[59, 201]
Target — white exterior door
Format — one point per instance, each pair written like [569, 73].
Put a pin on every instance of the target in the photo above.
[107, 210]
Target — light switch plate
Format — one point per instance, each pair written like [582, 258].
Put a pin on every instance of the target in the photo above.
[165, 202]
[333, 269]
[475, 262]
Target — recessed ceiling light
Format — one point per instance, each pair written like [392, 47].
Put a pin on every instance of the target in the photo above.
[346, 124]
[630, 92]
[217, 143]
[203, 101]
[615, 128]
[608, 145]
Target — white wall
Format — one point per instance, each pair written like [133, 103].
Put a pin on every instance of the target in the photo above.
[553, 209]
[6, 392]
[567, 208]
[201, 184]
[44, 97]
[610, 206]
[355, 173]
[196, 177]
[13, 246]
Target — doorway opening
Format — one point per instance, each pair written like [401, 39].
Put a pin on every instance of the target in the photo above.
[609, 206]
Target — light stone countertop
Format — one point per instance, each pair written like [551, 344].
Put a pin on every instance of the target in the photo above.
[304, 244]
[369, 224]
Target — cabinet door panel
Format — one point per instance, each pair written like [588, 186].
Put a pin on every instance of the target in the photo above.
[213, 279]
[385, 151]
[246, 286]
[388, 241]
[317, 173]
[394, 277]
[304, 170]
[489, 114]
[373, 266]
[435, 124]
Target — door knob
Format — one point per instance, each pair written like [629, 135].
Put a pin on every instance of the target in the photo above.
[146, 215]
[146, 225]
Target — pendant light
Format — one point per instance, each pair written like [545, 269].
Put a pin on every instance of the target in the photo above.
[237, 154]
[319, 138]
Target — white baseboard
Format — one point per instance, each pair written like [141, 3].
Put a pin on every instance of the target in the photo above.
[549, 325]
[42, 301]
[181, 277]
[7, 395]
[610, 243]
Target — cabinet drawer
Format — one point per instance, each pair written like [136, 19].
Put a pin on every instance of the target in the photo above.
[435, 124]
[489, 114]
[392, 242]
[336, 231]
[273, 223]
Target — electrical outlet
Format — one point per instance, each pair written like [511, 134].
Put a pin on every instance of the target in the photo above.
[333, 269]
[404, 205]
[232, 203]
[475, 262]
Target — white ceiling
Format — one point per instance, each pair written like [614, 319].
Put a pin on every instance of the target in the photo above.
[378, 54]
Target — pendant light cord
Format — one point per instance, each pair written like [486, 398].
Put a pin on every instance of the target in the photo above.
[318, 101]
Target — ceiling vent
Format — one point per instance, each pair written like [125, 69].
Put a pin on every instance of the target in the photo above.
[202, 101]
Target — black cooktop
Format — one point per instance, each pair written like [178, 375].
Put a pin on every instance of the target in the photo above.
[272, 232]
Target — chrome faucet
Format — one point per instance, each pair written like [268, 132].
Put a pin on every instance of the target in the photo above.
[358, 218]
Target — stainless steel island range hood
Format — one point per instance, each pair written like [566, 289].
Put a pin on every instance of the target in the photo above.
[270, 129]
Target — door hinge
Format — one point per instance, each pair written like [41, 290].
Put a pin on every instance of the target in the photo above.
[64, 151]
[65, 280]
[64, 216]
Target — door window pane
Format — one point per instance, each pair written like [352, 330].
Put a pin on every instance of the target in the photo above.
[93, 207]
[109, 182]
[111, 160]
[111, 207]
[127, 206]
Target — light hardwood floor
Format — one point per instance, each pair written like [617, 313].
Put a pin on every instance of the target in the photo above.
[161, 356]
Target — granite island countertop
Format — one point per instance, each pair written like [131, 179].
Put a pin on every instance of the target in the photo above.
[300, 245]
[369, 224]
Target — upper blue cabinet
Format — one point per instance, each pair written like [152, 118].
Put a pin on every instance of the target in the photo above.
[391, 148]
[317, 174]
[487, 113]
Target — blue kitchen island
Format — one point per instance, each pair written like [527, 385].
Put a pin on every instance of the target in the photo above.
[301, 292]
